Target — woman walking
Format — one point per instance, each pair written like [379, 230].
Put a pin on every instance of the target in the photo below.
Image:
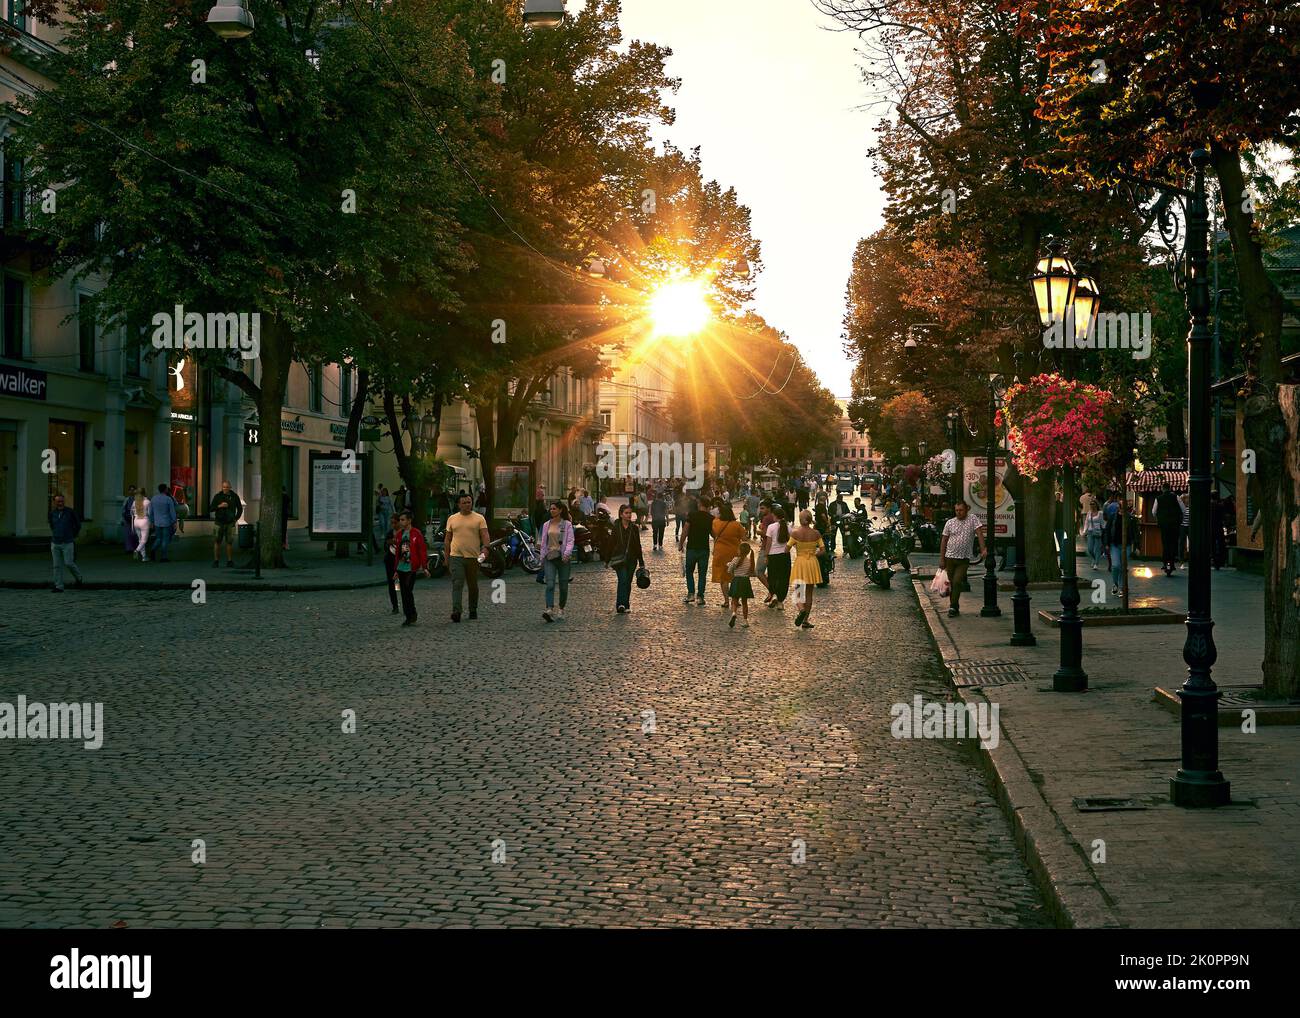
[627, 557]
[1091, 528]
[776, 543]
[140, 524]
[807, 571]
[383, 515]
[129, 541]
[391, 539]
[727, 535]
[741, 590]
[555, 543]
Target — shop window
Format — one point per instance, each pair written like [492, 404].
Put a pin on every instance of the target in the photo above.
[188, 385]
[65, 439]
[86, 332]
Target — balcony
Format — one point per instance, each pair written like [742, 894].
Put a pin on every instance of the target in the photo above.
[18, 226]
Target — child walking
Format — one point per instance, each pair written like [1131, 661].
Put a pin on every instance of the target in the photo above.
[741, 569]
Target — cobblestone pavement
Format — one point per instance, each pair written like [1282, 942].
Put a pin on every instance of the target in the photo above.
[224, 722]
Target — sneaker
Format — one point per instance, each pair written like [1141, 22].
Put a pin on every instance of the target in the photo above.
[744, 623]
[547, 615]
[230, 564]
[731, 624]
[473, 615]
[81, 582]
[559, 614]
[409, 622]
[622, 609]
[455, 616]
[56, 590]
[953, 613]
[689, 599]
[700, 601]
[809, 625]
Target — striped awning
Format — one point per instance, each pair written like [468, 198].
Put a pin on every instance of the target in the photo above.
[1171, 472]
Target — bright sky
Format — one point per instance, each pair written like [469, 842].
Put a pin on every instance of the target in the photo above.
[770, 95]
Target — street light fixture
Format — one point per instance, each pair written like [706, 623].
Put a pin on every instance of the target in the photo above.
[230, 19]
[543, 13]
[1054, 281]
[906, 451]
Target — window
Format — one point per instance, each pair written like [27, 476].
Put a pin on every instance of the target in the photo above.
[15, 15]
[607, 420]
[86, 331]
[314, 378]
[13, 211]
[345, 390]
[13, 316]
[131, 351]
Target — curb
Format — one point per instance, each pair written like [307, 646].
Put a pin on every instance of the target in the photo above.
[257, 586]
[1075, 898]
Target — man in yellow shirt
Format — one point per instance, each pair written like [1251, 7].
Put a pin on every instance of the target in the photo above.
[465, 538]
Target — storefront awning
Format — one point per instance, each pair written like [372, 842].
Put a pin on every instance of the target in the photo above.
[1171, 472]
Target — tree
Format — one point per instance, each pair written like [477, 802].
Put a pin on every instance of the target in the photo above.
[220, 176]
[1134, 86]
[907, 420]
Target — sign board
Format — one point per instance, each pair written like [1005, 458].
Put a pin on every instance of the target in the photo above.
[338, 503]
[975, 470]
[25, 383]
[253, 434]
[512, 489]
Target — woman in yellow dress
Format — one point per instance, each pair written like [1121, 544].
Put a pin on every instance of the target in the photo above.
[806, 572]
[727, 535]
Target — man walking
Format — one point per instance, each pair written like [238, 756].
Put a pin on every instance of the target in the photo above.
[963, 539]
[752, 502]
[695, 542]
[65, 525]
[225, 510]
[658, 520]
[410, 560]
[162, 519]
[463, 542]
[1169, 518]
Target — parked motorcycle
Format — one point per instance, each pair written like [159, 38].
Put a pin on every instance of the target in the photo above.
[521, 548]
[854, 528]
[927, 535]
[494, 559]
[434, 535]
[888, 545]
[584, 548]
[600, 527]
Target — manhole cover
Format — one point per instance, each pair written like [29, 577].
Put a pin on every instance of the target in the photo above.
[1096, 804]
[986, 673]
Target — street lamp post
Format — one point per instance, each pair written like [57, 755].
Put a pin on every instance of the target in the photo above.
[1021, 633]
[991, 609]
[1055, 284]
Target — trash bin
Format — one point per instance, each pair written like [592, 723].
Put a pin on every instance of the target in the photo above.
[245, 536]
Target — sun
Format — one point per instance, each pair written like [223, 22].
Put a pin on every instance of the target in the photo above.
[679, 308]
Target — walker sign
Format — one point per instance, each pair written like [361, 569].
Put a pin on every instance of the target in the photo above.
[975, 474]
[24, 383]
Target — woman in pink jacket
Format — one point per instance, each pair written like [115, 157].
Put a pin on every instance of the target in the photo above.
[555, 544]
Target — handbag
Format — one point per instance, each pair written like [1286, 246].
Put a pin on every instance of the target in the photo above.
[643, 577]
[618, 559]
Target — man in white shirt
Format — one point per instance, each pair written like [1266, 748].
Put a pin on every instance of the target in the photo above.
[963, 540]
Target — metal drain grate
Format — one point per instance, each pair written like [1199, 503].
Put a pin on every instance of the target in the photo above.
[986, 673]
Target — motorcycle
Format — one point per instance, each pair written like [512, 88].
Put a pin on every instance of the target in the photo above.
[494, 560]
[854, 528]
[927, 535]
[521, 548]
[584, 548]
[600, 529]
[887, 546]
[435, 534]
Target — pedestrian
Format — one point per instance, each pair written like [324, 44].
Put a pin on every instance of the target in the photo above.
[411, 556]
[1185, 530]
[641, 506]
[776, 542]
[822, 522]
[741, 590]
[658, 520]
[539, 513]
[225, 510]
[162, 519]
[586, 504]
[1218, 530]
[752, 502]
[1112, 537]
[555, 543]
[1169, 518]
[140, 523]
[806, 572]
[1091, 527]
[694, 540]
[1059, 525]
[389, 546]
[65, 525]
[838, 510]
[128, 528]
[727, 535]
[681, 510]
[627, 558]
[962, 540]
[383, 516]
[765, 519]
[285, 508]
[464, 542]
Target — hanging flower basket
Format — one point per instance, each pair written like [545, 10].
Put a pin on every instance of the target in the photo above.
[1054, 423]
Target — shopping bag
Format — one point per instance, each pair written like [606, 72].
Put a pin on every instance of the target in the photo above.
[941, 585]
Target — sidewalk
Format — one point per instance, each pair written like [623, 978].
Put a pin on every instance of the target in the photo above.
[1163, 866]
[108, 567]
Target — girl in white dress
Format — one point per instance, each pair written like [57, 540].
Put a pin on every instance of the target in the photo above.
[140, 520]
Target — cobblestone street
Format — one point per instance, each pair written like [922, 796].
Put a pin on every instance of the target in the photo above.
[224, 722]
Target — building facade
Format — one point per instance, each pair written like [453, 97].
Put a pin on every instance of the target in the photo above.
[854, 449]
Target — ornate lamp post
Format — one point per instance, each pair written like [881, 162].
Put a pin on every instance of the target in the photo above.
[1021, 635]
[1054, 283]
[991, 609]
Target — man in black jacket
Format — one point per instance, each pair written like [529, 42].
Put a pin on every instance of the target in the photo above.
[1169, 518]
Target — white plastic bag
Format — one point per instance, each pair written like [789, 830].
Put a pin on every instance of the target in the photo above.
[941, 585]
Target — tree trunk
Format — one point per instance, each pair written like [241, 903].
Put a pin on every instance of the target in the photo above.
[275, 357]
[405, 464]
[352, 440]
[1270, 426]
[1041, 560]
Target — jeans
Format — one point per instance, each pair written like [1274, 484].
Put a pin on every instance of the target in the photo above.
[162, 539]
[1094, 548]
[407, 581]
[697, 561]
[64, 555]
[464, 573]
[657, 528]
[1169, 537]
[677, 530]
[390, 574]
[1116, 565]
[556, 569]
[1064, 546]
[625, 572]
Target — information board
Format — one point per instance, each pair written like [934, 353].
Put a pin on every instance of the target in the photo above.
[338, 495]
[975, 472]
